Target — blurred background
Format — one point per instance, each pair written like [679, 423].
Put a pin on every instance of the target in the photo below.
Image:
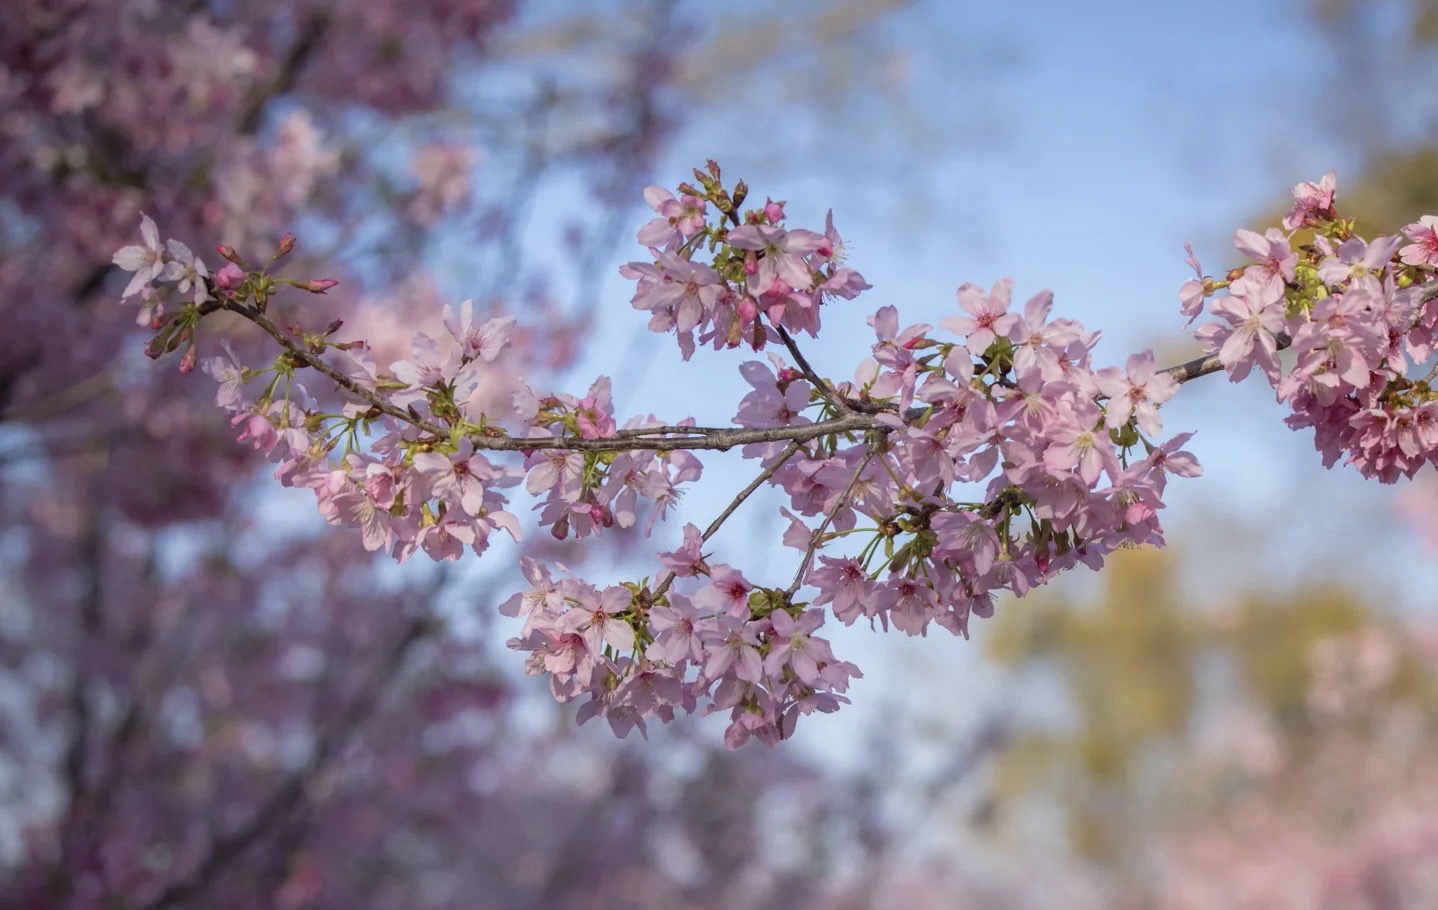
[209, 699]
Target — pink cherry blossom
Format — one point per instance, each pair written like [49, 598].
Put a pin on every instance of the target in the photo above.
[1137, 395]
[1255, 317]
[1423, 250]
[784, 261]
[989, 317]
[1312, 201]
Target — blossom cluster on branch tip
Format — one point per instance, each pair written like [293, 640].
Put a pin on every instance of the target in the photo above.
[1357, 313]
[954, 465]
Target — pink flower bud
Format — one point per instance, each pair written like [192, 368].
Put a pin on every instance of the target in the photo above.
[287, 243]
[229, 253]
[317, 287]
[229, 278]
[774, 211]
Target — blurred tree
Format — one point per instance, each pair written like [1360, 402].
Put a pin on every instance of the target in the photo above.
[202, 702]
[1266, 753]
[1127, 667]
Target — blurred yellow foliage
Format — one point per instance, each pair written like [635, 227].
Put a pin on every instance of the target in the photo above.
[1141, 668]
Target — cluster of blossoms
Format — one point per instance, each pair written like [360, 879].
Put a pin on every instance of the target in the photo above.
[953, 466]
[759, 269]
[631, 650]
[1357, 314]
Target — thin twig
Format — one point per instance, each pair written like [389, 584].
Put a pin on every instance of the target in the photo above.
[303, 354]
[629, 440]
[667, 430]
[824, 525]
[738, 500]
[1202, 366]
[717, 438]
[834, 399]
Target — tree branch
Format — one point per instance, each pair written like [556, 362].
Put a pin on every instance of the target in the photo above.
[303, 354]
[1202, 366]
[738, 500]
[89, 631]
[820, 386]
[824, 525]
[299, 52]
[854, 416]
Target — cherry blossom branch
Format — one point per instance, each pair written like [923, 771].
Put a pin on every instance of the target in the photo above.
[820, 386]
[824, 525]
[856, 416]
[627, 440]
[859, 416]
[246, 124]
[1018, 399]
[304, 355]
[763, 476]
[1202, 366]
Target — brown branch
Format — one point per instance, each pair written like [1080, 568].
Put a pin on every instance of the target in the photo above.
[1202, 366]
[824, 525]
[855, 416]
[738, 500]
[819, 384]
[76, 762]
[303, 354]
[649, 438]
[668, 430]
[299, 52]
[721, 439]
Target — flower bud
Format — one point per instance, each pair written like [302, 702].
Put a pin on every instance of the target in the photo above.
[287, 243]
[316, 287]
[229, 253]
[229, 278]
